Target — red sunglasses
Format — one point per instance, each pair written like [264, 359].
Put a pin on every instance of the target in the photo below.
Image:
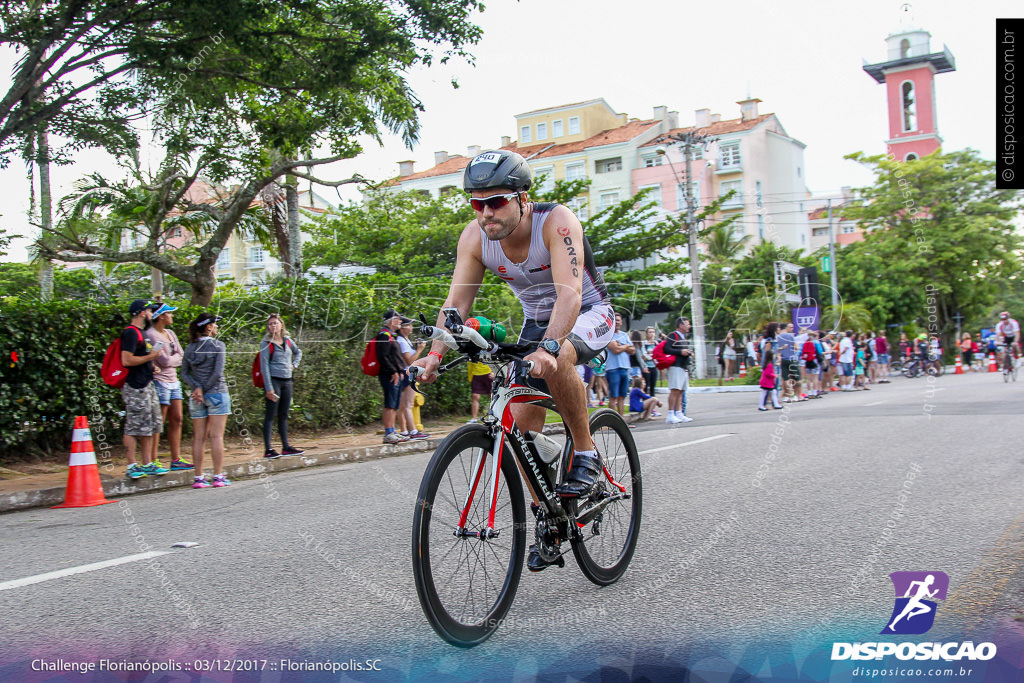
[495, 201]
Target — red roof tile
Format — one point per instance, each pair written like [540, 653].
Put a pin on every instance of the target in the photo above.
[719, 128]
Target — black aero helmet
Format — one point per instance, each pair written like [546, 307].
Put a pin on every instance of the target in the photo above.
[497, 168]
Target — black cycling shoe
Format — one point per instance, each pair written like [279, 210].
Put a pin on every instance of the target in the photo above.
[536, 563]
[582, 476]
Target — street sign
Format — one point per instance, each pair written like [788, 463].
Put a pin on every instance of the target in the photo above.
[826, 264]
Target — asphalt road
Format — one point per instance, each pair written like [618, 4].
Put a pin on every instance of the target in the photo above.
[765, 538]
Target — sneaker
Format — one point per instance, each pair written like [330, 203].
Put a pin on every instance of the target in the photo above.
[763, 409]
[655, 413]
[472, 421]
[154, 469]
[271, 455]
[583, 472]
[535, 563]
[220, 480]
[291, 450]
[181, 465]
[160, 465]
[672, 419]
[683, 418]
[395, 437]
[200, 482]
[405, 434]
[134, 471]
[419, 435]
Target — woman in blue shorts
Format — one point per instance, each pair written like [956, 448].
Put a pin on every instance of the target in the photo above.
[209, 404]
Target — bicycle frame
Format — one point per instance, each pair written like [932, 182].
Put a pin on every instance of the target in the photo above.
[506, 433]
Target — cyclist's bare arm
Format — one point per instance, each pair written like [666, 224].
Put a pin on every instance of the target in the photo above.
[466, 281]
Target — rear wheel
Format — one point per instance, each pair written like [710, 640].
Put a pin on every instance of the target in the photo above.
[609, 521]
[466, 578]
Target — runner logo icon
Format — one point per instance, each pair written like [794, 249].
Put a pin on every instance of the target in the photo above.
[916, 596]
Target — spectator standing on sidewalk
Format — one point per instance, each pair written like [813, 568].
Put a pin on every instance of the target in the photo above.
[679, 372]
[617, 367]
[967, 347]
[751, 351]
[882, 353]
[767, 383]
[860, 363]
[279, 357]
[209, 405]
[410, 353]
[789, 364]
[392, 369]
[729, 356]
[636, 364]
[481, 380]
[650, 370]
[905, 347]
[168, 386]
[846, 357]
[142, 419]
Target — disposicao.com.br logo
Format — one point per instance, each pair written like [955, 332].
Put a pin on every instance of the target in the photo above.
[913, 613]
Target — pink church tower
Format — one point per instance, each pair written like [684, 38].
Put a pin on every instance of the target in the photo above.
[909, 77]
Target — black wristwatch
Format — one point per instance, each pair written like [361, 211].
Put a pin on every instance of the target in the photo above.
[551, 346]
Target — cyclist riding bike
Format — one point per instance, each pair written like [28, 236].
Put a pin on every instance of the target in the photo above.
[540, 250]
[1007, 335]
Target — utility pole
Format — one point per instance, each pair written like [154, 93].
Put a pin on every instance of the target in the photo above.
[689, 141]
[832, 259]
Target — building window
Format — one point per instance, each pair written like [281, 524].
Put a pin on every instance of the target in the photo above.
[579, 207]
[904, 48]
[546, 177]
[556, 129]
[819, 232]
[577, 171]
[542, 131]
[849, 229]
[175, 233]
[224, 259]
[911, 157]
[609, 165]
[653, 194]
[255, 256]
[651, 160]
[760, 226]
[909, 108]
[607, 200]
[760, 199]
[524, 134]
[574, 125]
[729, 156]
[737, 199]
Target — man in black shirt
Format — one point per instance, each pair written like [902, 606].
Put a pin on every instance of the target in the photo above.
[142, 420]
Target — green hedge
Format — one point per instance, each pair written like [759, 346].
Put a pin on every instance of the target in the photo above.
[52, 353]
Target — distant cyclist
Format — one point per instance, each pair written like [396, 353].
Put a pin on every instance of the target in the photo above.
[1007, 335]
[540, 250]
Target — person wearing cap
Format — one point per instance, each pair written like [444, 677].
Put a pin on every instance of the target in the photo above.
[165, 379]
[209, 406]
[279, 355]
[410, 353]
[392, 369]
[142, 418]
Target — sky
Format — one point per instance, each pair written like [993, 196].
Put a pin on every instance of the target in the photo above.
[803, 59]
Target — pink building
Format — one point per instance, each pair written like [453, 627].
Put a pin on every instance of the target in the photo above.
[909, 78]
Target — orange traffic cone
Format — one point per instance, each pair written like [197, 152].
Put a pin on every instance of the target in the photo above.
[84, 487]
[992, 363]
[743, 369]
[959, 366]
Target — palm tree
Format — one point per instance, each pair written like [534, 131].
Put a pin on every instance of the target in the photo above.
[756, 311]
[850, 315]
[723, 245]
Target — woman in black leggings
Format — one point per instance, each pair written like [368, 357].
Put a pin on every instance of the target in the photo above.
[279, 355]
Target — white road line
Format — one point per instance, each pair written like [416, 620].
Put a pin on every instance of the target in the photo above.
[685, 443]
[876, 403]
[39, 578]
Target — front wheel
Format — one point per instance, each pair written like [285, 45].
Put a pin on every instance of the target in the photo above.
[467, 574]
[609, 521]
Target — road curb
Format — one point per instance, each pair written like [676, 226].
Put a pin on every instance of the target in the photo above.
[118, 487]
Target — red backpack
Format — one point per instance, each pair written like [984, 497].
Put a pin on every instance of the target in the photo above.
[113, 370]
[257, 374]
[369, 362]
[662, 360]
[810, 353]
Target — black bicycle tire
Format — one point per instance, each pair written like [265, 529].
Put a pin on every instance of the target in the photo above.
[446, 626]
[603, 576]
